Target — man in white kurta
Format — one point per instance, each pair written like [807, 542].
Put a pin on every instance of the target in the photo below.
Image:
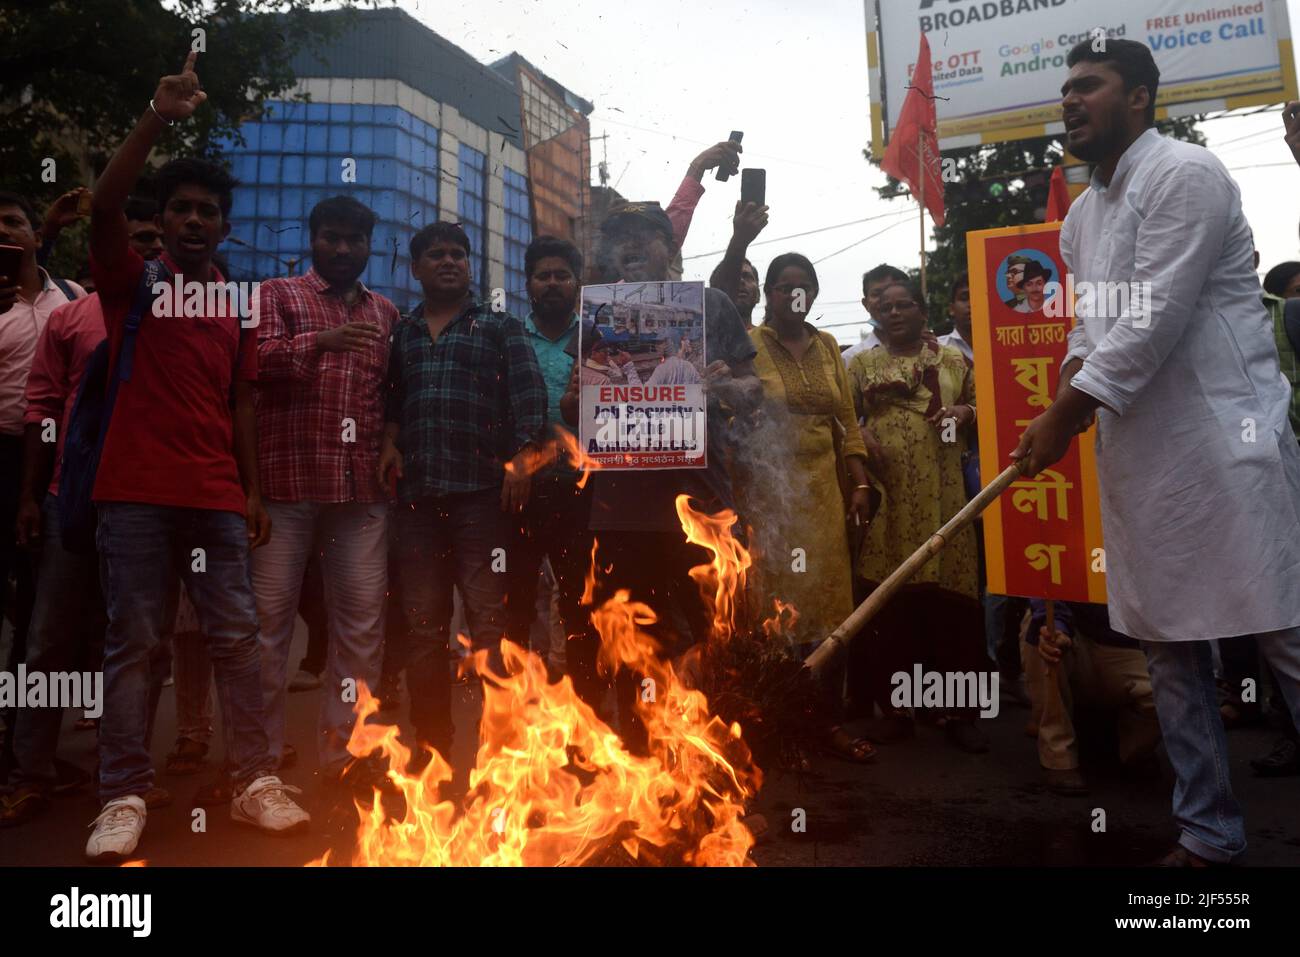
[1198, 469]
[1199, 472]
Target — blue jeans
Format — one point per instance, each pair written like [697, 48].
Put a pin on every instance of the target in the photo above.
[1187, 703]
[67, 627]
[351, 541]
[443, 542]
[140, 548]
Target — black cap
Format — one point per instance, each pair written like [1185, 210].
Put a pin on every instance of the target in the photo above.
[647, 212]
[1035, 269]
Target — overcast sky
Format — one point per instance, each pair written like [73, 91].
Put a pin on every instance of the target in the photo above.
[670, 77]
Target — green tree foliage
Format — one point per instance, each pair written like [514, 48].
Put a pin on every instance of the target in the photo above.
[1000, 184]
[78, 74]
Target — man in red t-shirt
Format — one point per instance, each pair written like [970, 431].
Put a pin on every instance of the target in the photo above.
[177, 480]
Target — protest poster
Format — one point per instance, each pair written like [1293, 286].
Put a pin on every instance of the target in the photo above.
[641, 355]
[1042, 538]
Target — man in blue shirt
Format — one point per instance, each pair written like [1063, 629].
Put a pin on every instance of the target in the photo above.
[554, 522]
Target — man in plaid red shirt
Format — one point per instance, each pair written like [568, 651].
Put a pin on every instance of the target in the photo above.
[322, 349]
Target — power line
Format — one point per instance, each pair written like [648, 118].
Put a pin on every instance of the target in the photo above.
[859, 242]
[1231, 115]
[688, 139]
[823, 229]
[838, 325]
[1248, 136]
[1259, 166]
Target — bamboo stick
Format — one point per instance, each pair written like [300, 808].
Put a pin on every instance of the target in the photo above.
[839, 639]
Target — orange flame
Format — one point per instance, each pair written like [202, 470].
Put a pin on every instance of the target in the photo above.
[725, 576]
[553, 784]
[567, 446]
[783, 621]
[560, 445]
[589, 587]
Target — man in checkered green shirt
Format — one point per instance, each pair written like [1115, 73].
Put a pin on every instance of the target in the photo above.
[465, 413]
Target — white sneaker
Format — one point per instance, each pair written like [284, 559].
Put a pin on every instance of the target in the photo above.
[117, 830]
[266, 804]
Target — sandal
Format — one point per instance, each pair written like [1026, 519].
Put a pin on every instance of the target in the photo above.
[69, 777]
[849, 748]
[1282, 761]
[216, 792]
[188, 757]
[24, 803]
[1238, 715]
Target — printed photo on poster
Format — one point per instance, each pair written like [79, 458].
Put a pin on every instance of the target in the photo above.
[1027, 279]
[641, 348]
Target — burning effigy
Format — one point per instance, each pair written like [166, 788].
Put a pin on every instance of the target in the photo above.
[553, 784]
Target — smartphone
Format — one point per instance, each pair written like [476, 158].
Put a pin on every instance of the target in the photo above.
[735, 137]
[11, 264]
[753, 186]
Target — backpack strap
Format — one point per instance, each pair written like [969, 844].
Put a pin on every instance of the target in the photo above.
[239, 351]
[1291, 323]
[154, 272]
[64, 287]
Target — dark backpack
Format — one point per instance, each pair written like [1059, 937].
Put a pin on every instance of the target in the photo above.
[88, 424]
[65, 288]
[1291, 323]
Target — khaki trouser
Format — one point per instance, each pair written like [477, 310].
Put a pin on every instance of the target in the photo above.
[1104, 676]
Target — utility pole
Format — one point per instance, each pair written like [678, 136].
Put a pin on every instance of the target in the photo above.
[602, 169]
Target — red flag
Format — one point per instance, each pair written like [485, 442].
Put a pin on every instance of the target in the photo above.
[916, 130]
[1058, 197]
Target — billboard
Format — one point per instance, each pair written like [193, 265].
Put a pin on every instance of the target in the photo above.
[1042, 537]
[999, 64]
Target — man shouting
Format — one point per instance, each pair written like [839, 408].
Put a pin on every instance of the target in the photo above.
[1198, 467]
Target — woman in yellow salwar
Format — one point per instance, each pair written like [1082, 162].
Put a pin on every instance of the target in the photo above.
[791, 467]
[918, 398]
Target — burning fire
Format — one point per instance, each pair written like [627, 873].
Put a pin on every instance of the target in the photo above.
[783, 621]
[560, 446]
[567, 446]
[553, 784]
[726, 575]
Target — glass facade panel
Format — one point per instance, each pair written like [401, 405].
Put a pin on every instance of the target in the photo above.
[293, 158]
[472, 205]
[518, 234]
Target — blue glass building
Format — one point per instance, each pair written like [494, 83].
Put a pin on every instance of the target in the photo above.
[409, 125]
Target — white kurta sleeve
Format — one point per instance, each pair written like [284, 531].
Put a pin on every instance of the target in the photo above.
[1077, 346]
[1183, 221]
